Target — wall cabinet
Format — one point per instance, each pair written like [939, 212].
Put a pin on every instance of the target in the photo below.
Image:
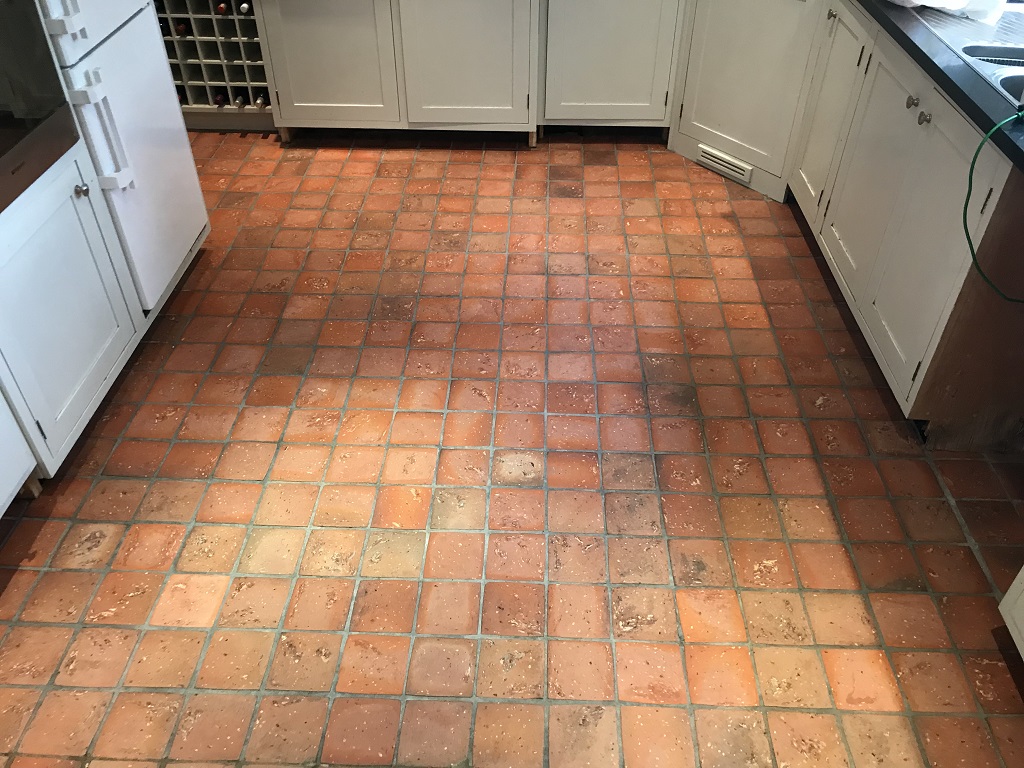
[467, 61]
[744, 81]
[65, 324]
[608, 60]
[331, 62]
[846, 41]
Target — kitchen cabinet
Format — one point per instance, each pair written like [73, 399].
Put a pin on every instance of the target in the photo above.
[745, 79]
[331, 63]
[1012, 609]
[65, 324]
[467, 61]
[923, 258]
[892, 224]
[16, 460]
[846, 41]
[876, 160]
[610, 61]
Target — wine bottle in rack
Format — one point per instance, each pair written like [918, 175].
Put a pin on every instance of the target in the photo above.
[183, 28]
[223, 9]
[262, 100]
[241, 100]
[221, 97]
[244, 9]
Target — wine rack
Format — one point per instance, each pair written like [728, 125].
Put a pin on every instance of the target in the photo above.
[217, 62]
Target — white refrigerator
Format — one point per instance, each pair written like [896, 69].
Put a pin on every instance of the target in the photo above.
[112, 56]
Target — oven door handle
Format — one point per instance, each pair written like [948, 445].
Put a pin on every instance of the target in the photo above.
[122, 176]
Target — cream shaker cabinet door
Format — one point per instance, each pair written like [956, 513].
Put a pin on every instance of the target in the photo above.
[16, 460]
[332, 61]
[746, 71]
[874, 165]
[63, 320]
[838, 79]
[924, 257]
[467, 61]
[609, 60]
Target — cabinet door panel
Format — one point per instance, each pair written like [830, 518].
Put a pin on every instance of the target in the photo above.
[924, 256]
[871, 175]
[63, 320]
[609, 60]
[332, 61]
[837, 85]
[746, 70]
[466, 61]
[16, 460]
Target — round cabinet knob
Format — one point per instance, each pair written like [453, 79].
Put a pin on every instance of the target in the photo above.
[924, 117]
[832, 14]
[913, 101]
[81, 190]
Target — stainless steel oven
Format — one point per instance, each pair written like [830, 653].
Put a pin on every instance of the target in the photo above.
[36, 122]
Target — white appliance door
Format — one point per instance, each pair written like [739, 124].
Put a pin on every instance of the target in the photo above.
[128, 110]
[78, 26]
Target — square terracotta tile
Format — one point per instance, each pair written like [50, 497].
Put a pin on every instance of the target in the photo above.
[65, 723]
[580, 670]
[861, 679]
[656, 736]
[362, 731]
[721, 675]
[508, 734]
[319, 604]
[776, 618]
[726, 738]
[235, 660]
[580, 735]
[791, 677]
[650, 673]
[165, 659]
[139, 726]
[218, 725]
[805, 740]
[373, 664]
[442, 667]
[511, 669]
[933, 681]
[435, 733]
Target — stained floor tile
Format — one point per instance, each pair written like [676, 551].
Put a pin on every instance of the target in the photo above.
[453, 452]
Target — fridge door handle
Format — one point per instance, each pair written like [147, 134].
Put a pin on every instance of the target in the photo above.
[122, 177]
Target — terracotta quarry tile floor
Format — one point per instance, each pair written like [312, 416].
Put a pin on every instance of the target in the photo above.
[479, 455]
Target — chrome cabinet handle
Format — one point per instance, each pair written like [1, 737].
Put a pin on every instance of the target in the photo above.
[82, 190]
[832, 14]
[924, 117]
[913, 101]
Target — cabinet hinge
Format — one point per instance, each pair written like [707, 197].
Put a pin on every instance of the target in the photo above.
[861, 57]
[666, 98]
[988, 199]
[40, 428]
[916, 371]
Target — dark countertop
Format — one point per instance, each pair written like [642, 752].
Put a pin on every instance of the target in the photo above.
[965, 87]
